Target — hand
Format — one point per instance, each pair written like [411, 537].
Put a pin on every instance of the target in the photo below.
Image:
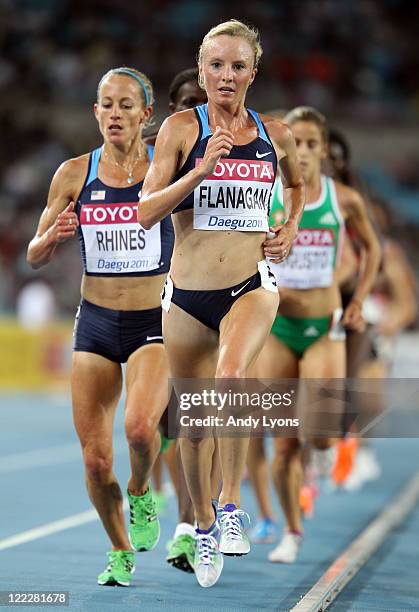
[219, 145]
[352, 317]
[278, 248]
[65, 225]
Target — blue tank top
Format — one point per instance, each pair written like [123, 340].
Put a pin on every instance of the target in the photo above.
[111, 239]
[237, 195]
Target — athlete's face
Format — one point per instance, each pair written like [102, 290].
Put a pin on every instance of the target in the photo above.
[120, 109]
[337, 158]
[311, 148]
[189, 95]
[227, 69]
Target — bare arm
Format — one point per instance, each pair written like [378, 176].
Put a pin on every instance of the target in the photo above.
[278, 248]
[58, 220]
[355, 215]
[400, 278]
[158, 196]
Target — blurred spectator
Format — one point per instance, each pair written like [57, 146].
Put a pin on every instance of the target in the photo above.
[36, 305]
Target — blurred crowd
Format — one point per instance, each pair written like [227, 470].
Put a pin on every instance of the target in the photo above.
[355, 61]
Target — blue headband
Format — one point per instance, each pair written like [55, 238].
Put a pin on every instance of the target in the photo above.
[136, 77]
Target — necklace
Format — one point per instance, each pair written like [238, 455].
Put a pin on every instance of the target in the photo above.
[130, 171]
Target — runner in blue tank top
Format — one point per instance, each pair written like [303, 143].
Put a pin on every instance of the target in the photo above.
[119, 318]
[214, 168]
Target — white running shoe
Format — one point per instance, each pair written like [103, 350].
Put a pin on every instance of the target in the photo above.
[208, 561]
[234, 540]
[366, 468]
[287, 549]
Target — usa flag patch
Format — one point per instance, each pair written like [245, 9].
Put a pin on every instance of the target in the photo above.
[98, 195]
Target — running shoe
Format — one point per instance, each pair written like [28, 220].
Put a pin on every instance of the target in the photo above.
[307, 501]
[345, 456]
[208, 560]
[287, 549]
[120, 567]
[365, 469]
[264, 532]
[181, 552]
[144, 528]
[234, 540]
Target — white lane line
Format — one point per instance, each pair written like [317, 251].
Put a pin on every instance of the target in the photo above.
[345, 567]
[53, 455]
[42, 531]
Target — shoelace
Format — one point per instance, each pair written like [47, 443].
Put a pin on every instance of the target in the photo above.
[113, 560]
[231, 523]
[137, 517]
[207, 547]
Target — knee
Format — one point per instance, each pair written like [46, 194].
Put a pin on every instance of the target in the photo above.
[98, 466]
[195, 444]
[140, 436]
[229, 368]
[194, 447]
[285, 454]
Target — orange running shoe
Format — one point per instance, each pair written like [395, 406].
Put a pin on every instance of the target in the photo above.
[345, 455]
[307, 501]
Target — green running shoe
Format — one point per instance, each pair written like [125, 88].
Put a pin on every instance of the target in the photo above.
[181, 553]
[144, 528]
[121, 566]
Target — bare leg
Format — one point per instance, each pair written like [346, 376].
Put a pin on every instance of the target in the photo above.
[147, 396]
[96, 387]
[287, 474]
[258, 469]
[243, 333]
[192, 350]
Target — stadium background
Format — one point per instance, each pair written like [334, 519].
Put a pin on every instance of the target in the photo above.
[357, 62]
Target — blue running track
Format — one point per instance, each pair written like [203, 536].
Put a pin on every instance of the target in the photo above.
[41, 479]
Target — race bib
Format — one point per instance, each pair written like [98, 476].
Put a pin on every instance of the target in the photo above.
[235, 197]
[310, 263]
[115, 242]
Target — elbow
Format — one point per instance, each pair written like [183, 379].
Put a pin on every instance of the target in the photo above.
[375, 253]
[144, 216]
[31, 261]
[144, 219]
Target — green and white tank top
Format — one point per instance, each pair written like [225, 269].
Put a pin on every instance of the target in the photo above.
[316, 249]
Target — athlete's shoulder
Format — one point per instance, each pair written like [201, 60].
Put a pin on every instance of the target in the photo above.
[277, 129]
[181, 120]
[350, 201]
[73, 168]
[177, 131]
[346, 194]
[70, 176]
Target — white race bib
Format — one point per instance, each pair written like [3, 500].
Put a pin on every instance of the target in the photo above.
[310, 263]
[235, 197]
[115, 242]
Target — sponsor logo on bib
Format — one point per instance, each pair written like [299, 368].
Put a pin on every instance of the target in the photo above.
[114, 240]
[235, 196]
[314, 237]
[311, 262]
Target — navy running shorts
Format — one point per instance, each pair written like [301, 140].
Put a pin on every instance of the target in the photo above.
[115, 334]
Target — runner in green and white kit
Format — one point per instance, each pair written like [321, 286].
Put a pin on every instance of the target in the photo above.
[311, 264]
[307, 338]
